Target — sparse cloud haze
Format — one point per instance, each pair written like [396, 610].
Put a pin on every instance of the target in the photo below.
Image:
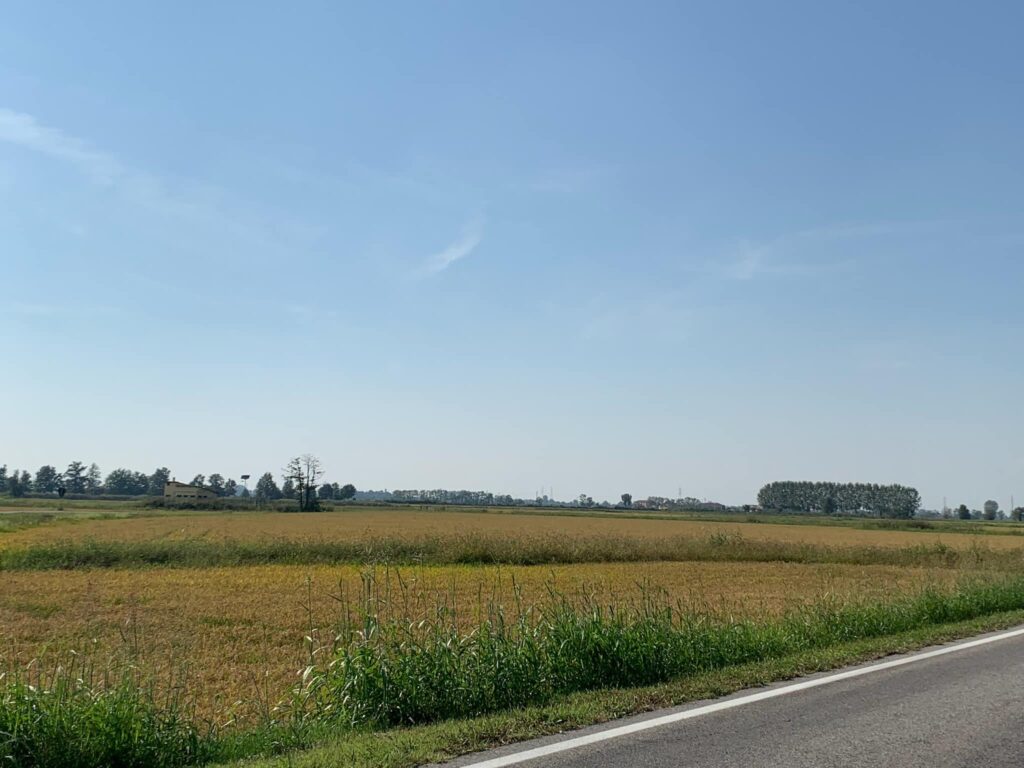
[657, 252]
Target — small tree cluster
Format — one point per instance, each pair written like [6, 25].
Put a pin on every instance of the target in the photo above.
[335, 492]
[990, 509]
[77, 478]
[442, 496]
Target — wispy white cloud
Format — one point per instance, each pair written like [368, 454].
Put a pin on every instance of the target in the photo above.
[471, 237]
[104, 169]
[211, 208]
[24, 130]
[781, 256]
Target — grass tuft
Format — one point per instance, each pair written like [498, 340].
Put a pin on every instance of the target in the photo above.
[68, 721]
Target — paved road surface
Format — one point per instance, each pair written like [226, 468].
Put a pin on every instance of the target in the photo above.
[963, 708]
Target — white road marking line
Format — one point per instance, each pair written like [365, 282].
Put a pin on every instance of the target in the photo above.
[707, 709]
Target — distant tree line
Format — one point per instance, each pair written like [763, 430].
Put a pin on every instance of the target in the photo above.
[79, 479]
[687, 503]
[441, 496]
[990, 511]
[841, 498]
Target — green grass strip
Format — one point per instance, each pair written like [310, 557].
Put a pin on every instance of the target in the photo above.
[485, 549]
[413, 746]
[390, 673]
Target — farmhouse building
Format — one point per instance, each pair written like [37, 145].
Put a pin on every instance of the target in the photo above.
[175, 491]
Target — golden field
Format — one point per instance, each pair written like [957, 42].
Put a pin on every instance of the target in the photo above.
[237, 633]
[364, 523]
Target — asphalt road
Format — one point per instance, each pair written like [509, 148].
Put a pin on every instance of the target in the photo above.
[962, 708]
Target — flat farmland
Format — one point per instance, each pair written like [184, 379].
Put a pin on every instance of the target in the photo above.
[375, 523]
[266, 632]
[237, 634]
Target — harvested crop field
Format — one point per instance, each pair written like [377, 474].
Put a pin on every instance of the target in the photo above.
[238, 632]
[376, 523]
[257, 631]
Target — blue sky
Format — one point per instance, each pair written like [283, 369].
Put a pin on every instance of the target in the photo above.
[601, 247]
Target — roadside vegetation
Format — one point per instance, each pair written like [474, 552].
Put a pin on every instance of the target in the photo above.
[379, 672]
[238, 632]
[394, 672]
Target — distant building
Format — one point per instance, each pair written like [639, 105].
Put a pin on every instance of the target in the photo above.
[180, 491]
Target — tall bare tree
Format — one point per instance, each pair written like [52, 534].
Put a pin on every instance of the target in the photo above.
[304, 471]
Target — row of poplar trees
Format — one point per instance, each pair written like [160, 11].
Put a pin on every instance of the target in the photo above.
[840, 498]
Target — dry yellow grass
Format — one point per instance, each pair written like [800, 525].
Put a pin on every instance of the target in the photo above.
[382, 522]
[240, 630]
